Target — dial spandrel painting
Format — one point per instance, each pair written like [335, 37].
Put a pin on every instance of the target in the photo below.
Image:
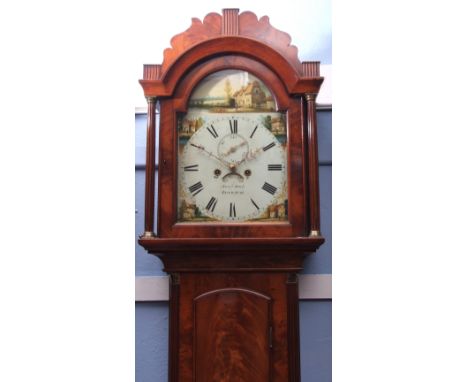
[232, 148]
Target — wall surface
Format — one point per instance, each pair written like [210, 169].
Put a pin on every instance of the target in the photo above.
[315, 315]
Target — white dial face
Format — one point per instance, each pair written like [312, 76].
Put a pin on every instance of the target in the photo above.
[233, 168]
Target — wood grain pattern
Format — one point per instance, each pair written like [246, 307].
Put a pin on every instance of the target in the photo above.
[232, 336]
[196, 33]
[269, 286]
[261, 29]
[248, 25]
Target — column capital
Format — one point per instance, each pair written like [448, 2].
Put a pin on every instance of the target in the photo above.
[151, 99]
[310, 96]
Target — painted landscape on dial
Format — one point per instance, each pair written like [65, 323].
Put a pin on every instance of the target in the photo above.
[232, 91]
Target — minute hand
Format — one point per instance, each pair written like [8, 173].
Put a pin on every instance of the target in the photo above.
[211, 154]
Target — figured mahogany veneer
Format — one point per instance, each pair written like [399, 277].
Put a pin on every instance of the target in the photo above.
[234, 313]
[233, 325]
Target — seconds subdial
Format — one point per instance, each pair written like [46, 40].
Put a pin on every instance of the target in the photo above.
[233, 148]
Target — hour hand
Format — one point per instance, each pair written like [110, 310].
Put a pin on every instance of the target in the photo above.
[198, 146]
[234, 148]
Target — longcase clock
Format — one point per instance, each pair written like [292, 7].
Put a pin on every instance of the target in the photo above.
[238, 200]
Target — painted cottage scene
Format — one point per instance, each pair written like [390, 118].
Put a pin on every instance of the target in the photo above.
[232, 91]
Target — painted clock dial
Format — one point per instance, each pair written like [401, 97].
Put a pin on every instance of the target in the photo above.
[232, 164]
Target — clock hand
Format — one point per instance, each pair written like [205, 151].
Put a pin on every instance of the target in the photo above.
[234, 148]
[211, 154]
[252, 154]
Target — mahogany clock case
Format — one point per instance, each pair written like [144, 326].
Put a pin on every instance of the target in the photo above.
[234, 313]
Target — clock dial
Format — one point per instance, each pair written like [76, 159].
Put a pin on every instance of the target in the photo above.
[232, 164]
[237, 174]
